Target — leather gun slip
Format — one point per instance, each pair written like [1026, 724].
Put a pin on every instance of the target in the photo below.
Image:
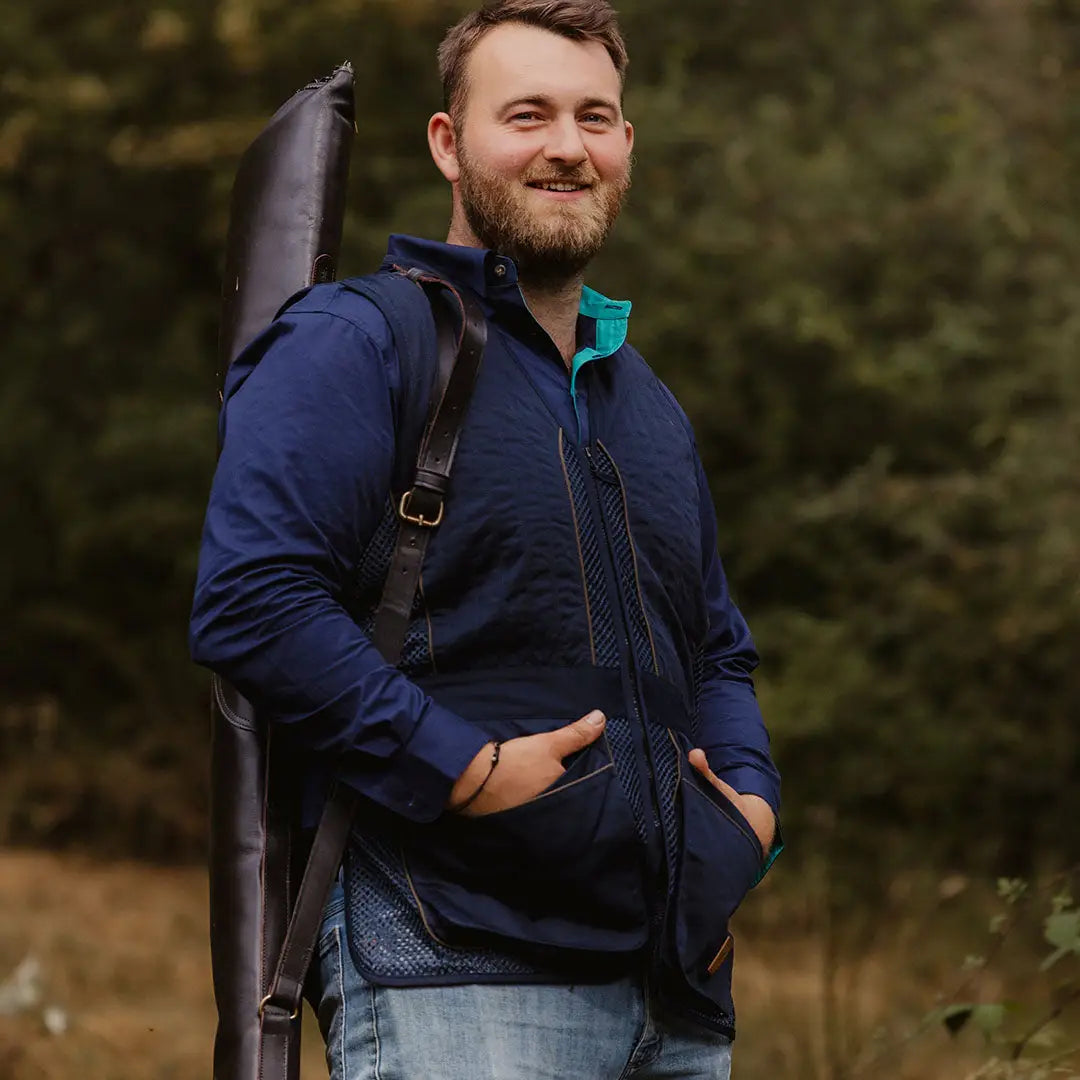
[285, 226]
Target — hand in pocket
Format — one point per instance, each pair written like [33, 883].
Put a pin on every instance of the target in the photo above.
[527, 765]
[754, 808]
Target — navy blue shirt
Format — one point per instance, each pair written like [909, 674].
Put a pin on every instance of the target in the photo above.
[301, 484]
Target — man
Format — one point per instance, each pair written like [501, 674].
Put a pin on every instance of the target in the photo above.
[566, 783]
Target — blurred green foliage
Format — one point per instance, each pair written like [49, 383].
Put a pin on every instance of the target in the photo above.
[854, 250]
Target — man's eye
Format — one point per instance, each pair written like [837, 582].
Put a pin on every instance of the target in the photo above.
[594, 118]
[525, 116]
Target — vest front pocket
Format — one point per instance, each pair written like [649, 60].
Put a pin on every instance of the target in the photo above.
[721, 858]
[565, 869]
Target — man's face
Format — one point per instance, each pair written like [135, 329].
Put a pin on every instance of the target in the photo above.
[543, 149]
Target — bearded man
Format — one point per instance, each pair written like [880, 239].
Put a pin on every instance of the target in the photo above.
[566, 782]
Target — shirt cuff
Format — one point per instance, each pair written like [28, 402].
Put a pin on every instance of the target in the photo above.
[418, 782]
[749, 781]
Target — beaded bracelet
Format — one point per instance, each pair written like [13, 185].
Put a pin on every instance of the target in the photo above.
[483, 783]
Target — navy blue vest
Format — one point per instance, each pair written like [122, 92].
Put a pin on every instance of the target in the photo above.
[563, 578]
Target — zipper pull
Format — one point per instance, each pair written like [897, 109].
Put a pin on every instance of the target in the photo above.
[600, 465]
[594, 463]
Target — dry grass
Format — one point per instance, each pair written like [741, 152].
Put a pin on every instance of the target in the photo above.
[124, 951]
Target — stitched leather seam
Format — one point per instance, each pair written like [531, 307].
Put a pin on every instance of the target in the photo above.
[227, 710]
[263, 980]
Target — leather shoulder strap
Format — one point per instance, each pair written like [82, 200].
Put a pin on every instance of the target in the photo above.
[421, 327]
[420, 510]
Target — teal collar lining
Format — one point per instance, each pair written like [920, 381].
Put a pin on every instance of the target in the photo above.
[611, 318]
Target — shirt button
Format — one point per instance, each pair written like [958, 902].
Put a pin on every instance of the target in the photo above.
[500, 270]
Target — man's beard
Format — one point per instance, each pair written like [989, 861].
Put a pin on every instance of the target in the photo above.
[549, 246]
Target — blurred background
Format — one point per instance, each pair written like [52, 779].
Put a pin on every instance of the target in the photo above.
[853, 248]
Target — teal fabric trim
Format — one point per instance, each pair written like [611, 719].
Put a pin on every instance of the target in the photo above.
[612, 317]
[774, 851]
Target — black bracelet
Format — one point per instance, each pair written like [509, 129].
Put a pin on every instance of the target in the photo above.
[483, 783]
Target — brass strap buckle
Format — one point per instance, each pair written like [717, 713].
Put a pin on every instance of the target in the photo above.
[266, 1001]
[418, 519]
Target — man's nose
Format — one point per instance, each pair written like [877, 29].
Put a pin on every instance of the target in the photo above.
[565, 144]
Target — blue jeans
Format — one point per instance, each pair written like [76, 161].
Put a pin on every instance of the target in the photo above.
[500, 1032]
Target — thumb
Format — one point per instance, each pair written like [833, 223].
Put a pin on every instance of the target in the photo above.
[697, 758]
[579, 734]
[700, 762]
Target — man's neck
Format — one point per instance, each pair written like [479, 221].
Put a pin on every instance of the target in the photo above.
[554, 304]
[555, 307]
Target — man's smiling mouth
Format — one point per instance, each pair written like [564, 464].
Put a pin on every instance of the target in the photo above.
[543, 185]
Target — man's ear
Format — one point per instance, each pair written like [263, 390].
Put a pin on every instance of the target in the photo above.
[629, 137]
[442, 142]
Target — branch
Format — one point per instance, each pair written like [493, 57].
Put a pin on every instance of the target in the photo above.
[1055, 1012]
[961, 989]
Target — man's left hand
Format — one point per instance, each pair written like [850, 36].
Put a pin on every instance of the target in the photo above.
[752, 807]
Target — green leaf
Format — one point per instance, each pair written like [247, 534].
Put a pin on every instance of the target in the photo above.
[1011, 889]
[1062, 930]
[1062, 901]
[988, 1018]
[955, 1017]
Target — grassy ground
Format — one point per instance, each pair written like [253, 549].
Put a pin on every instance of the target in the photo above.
[123, 951]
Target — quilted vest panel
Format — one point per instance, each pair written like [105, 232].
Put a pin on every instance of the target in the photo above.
[562, 579]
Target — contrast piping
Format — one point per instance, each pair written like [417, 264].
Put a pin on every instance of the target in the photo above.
[564, 787]
[420, 907]
[577, 540]
[749, 837]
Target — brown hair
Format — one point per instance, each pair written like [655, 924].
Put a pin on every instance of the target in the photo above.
[578, 20]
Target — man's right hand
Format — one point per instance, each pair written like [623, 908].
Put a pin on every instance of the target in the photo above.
[527, 765]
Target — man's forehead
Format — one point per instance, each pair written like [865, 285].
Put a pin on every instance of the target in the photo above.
[518, 62]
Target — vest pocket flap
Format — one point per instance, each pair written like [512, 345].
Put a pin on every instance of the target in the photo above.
[580, 767]
[564, 869]
[696, 782]
[720, 861]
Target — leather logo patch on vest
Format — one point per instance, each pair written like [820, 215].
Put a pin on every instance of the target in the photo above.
[722, 955]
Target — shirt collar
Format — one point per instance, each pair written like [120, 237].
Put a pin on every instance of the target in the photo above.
[610, 317]
[494, 278]
[478, 269]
